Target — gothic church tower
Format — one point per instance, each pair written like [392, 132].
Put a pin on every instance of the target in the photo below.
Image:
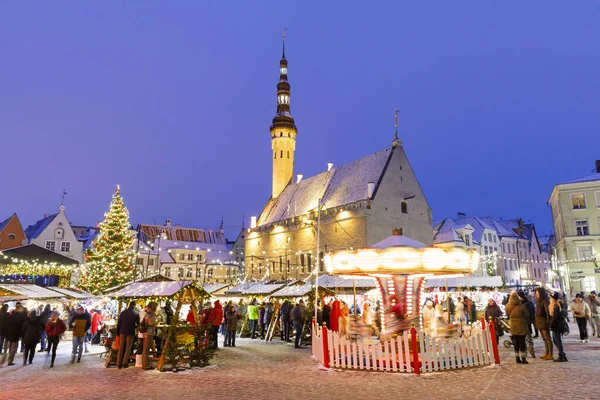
[283, 133]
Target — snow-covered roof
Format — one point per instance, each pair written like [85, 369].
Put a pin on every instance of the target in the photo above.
[398, 240]
[590, 178]
[341, 185]
[33, 231]
[215, 287]
[154, 289]
[294, 291]
[263, 289]
[333, 282]
[30, 291]
[446, 232]
[72, 294]
[242, 287]
[500, 229]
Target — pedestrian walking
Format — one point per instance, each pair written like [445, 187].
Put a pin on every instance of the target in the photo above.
[594, 303]
[581, 312]
[4, 315]
[297, 314]
[44, 317]
[126, 325]
[81, 323]
[531, 311]
[14, 327]
[542, 321]
[150, 330]
[557, 321]
[54, 329]
[32, 334]
[231, 319]
[261, 317]
[267, 318]
[519, 319]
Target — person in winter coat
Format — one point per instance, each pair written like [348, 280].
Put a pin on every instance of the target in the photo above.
[96, 326]
[261, 317]
[44, 317]
[459, 316]
[14, 331]
[215, 320]
[267, 317]
[54, 328]
[344, 320]
[531, 311]
[81, 323]
[32, 334]
[428, 315]
[556, 323]
[297, 314]
[231, 318]
[334, 316]
[150, 322]
[581, 312]
[284, 320]
[594, 304]
[519, 321]
[253, 318]
[493, 313]
[4, 315]
[127, 323]
[326, 314]
[168, 312]
[542, 321]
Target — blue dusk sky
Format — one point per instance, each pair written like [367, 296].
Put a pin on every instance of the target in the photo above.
[173, 101]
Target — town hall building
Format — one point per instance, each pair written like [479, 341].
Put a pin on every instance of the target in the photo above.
[360, 203]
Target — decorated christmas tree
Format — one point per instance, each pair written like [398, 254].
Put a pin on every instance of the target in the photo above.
[109, 262]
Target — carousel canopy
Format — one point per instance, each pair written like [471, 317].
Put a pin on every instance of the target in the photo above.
[465, 281]
[29, 291]
[138, 290]
[73, 293]
[398, 240]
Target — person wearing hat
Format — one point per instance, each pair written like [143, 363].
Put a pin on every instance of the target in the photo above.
[542, 321]
[593, 302]
[557, 321]
[581, 312]
[531, 322]
[519, 326]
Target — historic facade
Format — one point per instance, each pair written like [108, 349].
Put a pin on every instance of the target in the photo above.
[357, 204]
[11, 233]
[576, 218]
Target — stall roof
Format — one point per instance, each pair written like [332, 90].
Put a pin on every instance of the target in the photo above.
[30, 291]
[154, 289]
[34, 252]
[239, 289]
[72, 293]
[298, 291]
[465, 281]
[333, 282]
[16, 297]
[215, 287]
[263, 289]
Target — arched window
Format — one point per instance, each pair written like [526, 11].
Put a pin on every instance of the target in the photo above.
[288, 154]
[404, 206]
[281, 156]
[275, 155]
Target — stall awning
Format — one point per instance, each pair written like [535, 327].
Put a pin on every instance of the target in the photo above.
[239, 289]
[72, 293]
[33, 292]
[35, 253]
[138, 290]
[466, 281]
[263, 289]
[215, 287]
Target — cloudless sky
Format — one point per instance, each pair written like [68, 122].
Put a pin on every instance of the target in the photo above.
[173, 101]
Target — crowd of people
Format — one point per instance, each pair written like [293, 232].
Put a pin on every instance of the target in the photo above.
[24, 329]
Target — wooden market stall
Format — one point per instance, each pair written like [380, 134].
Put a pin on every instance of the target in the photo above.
[30, 295]
[178, 337]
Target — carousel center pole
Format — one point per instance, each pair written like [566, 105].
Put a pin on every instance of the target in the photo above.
[318, 258]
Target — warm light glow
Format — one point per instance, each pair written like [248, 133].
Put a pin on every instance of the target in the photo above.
[252, 222]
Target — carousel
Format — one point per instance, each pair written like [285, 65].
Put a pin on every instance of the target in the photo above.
[401, 267]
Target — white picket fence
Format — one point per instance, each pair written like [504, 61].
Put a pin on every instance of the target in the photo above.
[412, 352]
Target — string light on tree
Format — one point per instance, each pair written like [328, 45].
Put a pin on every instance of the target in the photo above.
[108, 262]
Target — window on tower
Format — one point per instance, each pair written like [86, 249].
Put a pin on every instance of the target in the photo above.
[274, 155]
[288, 154]
[281, 155]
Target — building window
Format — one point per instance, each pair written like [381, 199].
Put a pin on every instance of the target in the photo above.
[582, 228]
[302, 262]
[189, 272]
[281, 155]
[182, 257]
[288, 265]
[180, 272]
[65, 247]
[288, 154]
[514, 248]
[585, 251]
[404, 207]
[139, 261]
[485, 249]
[198, 273]
[12, 236]
[589, 284]
[578, 201]
[50, 245]
[190, 257]
[168, 272]
[151, 261]
[494, 237]
[199, 257]
[309, 261]
[59, 233]
[468, 240]
[597, 195]
[274, 155]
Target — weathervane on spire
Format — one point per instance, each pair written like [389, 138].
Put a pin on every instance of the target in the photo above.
[396, 122]
[283, 42]
[62, 201]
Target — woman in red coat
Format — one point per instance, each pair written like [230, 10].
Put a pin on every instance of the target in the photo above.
[54, 329]
[334, 317]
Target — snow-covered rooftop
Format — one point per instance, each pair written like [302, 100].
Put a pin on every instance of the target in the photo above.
[30, 291]
[152, 289]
